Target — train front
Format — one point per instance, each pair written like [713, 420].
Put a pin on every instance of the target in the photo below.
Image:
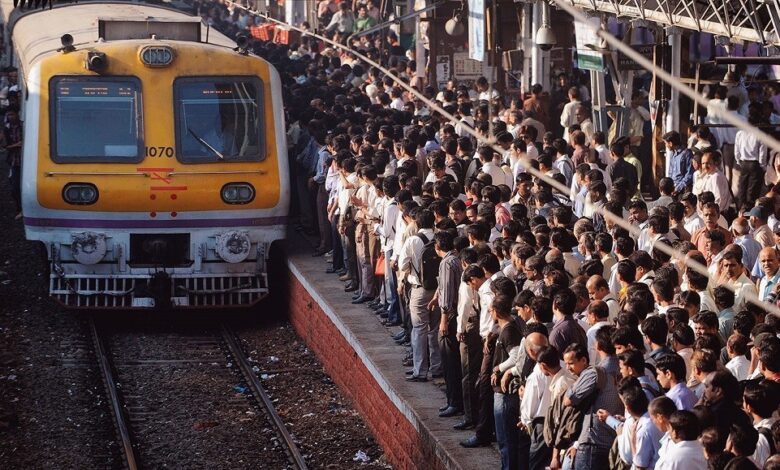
[152, 172]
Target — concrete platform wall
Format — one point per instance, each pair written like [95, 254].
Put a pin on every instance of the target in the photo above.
[394, 425]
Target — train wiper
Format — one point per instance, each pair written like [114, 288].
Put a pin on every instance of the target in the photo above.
[206, 144]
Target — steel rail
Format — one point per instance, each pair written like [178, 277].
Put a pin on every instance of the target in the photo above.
[116, 405]
[231, 340]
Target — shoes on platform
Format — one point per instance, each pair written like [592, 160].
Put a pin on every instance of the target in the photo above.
[449, 412]
[351, 288]
[407, 362]
[345, 277]
[362, 300]
[318, 253]
[415, 378]
[399, 335]
[474, 442]
[463, 425]
[390, 323]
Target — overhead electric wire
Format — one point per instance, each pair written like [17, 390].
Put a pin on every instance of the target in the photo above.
[617, 220]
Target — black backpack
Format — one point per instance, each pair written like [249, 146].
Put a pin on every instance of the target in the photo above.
[429, 262]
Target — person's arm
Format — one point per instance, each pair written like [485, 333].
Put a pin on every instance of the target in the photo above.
[511, 360]
[687, 179]
[582, 388]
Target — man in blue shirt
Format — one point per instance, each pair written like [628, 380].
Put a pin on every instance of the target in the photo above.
[680, 169]
[640, 440]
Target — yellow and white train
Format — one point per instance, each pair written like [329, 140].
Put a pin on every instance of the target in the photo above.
[154, 168]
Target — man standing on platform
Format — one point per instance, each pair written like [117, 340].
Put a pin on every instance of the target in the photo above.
[446, 298]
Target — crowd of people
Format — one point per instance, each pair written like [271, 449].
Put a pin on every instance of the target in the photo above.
[569, 340]
[561, 335]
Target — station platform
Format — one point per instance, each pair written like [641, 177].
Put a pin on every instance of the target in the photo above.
[365, 363]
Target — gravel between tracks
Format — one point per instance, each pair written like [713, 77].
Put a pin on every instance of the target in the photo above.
[53, 411]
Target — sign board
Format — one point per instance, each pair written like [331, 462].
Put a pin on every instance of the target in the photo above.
[646, 51]
[443, 69]
[477, 30]
[587, 39]
[464, 68]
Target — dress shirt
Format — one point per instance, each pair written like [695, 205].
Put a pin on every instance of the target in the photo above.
[560, 382]
[497, 175]
[750, 248]
[450, 272]
[486, 296]
[766, 285]
[565, 166]
[321, 170]
[565, 332]
[693, 223]
[620, 168]
[698, 238]
[594, 431]
[742, 286]
[591, 335]
[719, 186]
[747, 148]
[540, 129]
[536, 397]
[662, 201]
[739, 366]
[466, 307]
[762, 447]
[410, 260]
[568, 117]
[764, 236]
[683, 455]
[680, 168]
[386, 229]
[682, 396]
[686, 354]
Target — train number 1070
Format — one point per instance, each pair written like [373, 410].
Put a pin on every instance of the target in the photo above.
[159, 152]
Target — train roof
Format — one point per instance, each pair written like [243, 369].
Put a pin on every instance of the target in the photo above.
[36, 32]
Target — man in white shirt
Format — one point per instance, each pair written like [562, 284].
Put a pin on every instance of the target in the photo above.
[684, 452]
[692, 222]
[385, 229]
[752, 156]
[713, 180]
[569, 113]
[760, 403]
[556, 381]
[734, 274]
[489, 166]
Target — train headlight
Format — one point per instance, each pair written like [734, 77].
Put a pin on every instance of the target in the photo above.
[88, 247]
[82, 194]
[233, 246]
[238, 193]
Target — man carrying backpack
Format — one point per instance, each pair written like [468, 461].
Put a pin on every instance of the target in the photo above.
[418, 258]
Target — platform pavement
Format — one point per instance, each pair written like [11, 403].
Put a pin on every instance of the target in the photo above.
[417, 402]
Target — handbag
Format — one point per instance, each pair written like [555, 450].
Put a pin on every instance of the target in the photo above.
[379, 269]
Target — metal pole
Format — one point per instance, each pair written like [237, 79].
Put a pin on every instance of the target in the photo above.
[673, 109]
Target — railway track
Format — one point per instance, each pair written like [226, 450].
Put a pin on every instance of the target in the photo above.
[160, 383]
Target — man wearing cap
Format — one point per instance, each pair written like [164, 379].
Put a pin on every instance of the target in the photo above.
[761, 231]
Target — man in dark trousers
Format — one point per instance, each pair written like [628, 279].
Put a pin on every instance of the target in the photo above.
[446, 298]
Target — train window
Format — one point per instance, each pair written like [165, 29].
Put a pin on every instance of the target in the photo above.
[219, 119]
[96, 119]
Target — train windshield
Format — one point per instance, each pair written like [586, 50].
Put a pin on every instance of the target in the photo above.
[96, 119]
[218, 119]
